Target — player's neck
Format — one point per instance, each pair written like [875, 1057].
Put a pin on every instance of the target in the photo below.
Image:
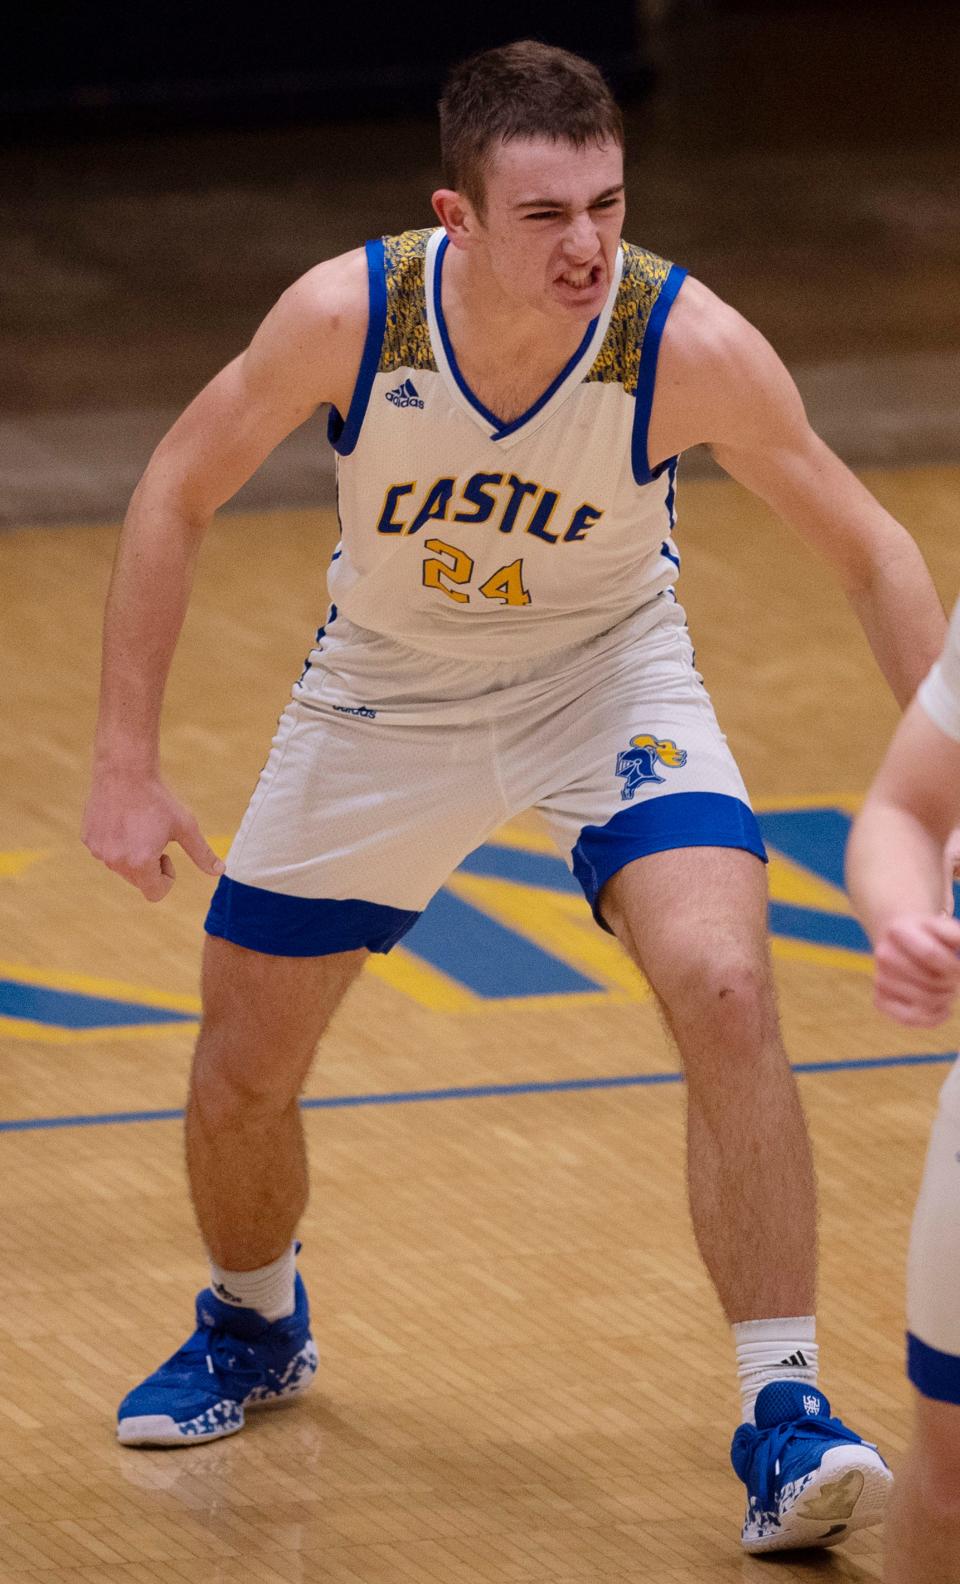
[488, 328]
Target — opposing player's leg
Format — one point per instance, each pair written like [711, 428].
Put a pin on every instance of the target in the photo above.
[694, 920]
[923, 1536]
[263, 1016]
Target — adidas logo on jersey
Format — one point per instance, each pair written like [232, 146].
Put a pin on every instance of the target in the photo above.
[405, 395]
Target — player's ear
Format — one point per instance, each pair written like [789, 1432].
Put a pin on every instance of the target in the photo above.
[457, 216]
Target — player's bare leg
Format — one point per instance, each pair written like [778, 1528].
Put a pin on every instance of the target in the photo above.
[922, 1541]
[246, 1156]
[252, 1346]
[695, 921]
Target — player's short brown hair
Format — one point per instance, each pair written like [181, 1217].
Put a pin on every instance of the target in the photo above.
[524, 89]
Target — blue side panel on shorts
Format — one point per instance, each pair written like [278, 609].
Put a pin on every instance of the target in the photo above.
[935, 1374]
[647, 376]
[682, 819]
[343, 433]
[290, 926]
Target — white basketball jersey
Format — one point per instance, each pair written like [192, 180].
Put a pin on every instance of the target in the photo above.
[465, 535]
[939, 693]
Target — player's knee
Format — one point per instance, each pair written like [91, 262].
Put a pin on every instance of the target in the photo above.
[235, 1079]
[727, 994]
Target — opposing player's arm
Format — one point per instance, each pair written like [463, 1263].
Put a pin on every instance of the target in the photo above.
[894, 867]
[721, 383]
[307, 351]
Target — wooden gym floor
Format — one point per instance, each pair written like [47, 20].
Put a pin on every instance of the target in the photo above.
[525, 1375]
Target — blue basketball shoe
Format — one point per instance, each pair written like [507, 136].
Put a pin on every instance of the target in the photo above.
[810, 1481]
[235, 1360]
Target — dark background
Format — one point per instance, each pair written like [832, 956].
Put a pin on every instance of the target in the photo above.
[166, 172]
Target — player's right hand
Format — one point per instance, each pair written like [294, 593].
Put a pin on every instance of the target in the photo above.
[918, 968]
[129, 821]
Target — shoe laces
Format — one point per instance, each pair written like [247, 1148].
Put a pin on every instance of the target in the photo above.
[224, 1354]
[759, 1455]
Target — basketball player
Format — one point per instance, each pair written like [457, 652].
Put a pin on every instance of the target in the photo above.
[895, 873]
[509, 396]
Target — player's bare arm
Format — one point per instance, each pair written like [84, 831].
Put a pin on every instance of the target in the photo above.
[895, 871]
[306, 352]
[721, 383]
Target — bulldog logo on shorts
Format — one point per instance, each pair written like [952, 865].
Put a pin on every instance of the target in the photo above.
[636, 763]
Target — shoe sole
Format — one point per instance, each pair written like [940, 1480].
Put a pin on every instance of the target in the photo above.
[849, 1491]
[159, 1430]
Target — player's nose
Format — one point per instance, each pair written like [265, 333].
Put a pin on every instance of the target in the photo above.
[582, 240]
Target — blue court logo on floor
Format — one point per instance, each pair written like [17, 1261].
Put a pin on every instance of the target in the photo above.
[510, 929]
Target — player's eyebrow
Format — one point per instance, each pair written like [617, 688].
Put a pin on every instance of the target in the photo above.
[559, 203]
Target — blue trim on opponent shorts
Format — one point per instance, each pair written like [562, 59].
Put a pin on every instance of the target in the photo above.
[646, 379]
[935, 1374]
[343, 433]
[291, 926]
[681, 819]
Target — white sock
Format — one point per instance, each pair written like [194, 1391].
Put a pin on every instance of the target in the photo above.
[269, 1290]
[770, 1350]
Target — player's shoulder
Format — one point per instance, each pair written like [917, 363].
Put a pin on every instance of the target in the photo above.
[331, 296]
[703, 329]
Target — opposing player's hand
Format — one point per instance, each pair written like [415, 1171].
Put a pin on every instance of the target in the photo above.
[918, 968]
[127, 824]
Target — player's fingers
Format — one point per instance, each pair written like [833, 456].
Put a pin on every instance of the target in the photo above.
[920, 951]
[196, 847]
[919, 1009]
[154, 879]
[914, 1014]
[914, 976]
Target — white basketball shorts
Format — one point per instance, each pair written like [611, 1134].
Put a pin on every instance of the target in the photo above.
[390, 765]
[933, 1269]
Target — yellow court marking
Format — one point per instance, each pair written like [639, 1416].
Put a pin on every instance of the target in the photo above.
[50, 1034]
[823, 956]
[847, 802]
[110, 989]
[558, 922]
[526, 839]
[421, 982]
[15, 862]
[790, 882]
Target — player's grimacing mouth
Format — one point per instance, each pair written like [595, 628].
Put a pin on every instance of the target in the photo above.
[584, 280]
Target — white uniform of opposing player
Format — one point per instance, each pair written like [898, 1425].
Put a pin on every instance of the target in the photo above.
[504, 634]
[933, 1271]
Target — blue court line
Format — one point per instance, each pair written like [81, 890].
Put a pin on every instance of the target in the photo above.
[471, 1092]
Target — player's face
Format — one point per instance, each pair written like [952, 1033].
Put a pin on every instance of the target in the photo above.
[552, 223]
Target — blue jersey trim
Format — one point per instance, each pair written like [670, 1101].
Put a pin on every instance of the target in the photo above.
[501, 429]
[343, 433]
[679, 819]
[935, 1374]
[646, 379]
[290, 926]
